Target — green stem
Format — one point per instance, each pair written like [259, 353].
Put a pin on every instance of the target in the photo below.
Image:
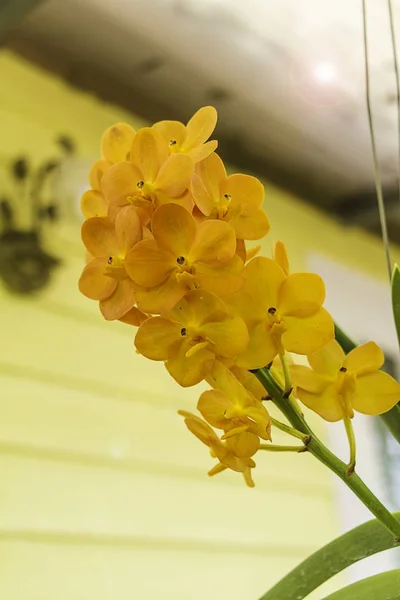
[286, 374]
[326, 457]
[278, 448]
[290, 430]
[352, 444]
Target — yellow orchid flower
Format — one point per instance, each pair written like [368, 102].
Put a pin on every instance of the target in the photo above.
[116, 142]
[115, 147]
[339, 384]
[190, 336]
[104, 278]
[282, 313]
[231, 407]
[236, 199]
[192, 138]
[232, 454]
[183, 255]
[149, 178]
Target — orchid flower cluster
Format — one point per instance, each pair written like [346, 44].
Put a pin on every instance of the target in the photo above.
[165, 231]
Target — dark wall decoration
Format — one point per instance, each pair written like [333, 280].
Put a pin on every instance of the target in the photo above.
[25, 265]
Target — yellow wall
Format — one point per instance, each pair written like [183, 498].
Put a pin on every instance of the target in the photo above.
[103, 492]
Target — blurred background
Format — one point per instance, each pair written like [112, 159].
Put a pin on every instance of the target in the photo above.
[103, 492]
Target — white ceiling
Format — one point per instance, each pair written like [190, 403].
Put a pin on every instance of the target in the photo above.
[289, 73]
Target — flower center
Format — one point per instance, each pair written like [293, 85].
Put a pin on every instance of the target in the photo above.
[115, 268]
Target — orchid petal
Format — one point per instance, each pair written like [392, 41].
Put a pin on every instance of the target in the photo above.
[157, 338]
[98, 235]
[96, 173]
[328, 360]
[364, 359]
[93, 283]
[229, 337]
[149, 152]
[215, 240]
[309, 380]
[260, 351]
[161, 298]
[120, 302]
[221, 279]
[174, 176]
[281, 257]
[120, 182]
[148, 265]
[188, 371]
[301, 295]
[174, 229]
[305, 336]
[171, 131]
[376, 393]
[327, 404]
[264, 279]
[93, 204]
[200, 127]
[128, 228]
[116, 142]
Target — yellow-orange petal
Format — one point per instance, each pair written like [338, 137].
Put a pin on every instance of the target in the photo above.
[171, 131]
[174, 176]
[149, 152]
[281, 257]
[243, 304]
[229, 337]
[309, 380]
[301, 295]
[328, 360]
[128, 228]
[200, 127]
[199, 153]
[261, 350]
[93, 283]
[244, 445]
[120, 182]
[221, 279]
[94, 204]
[120, 302]
[96, 173]
[203, 200]
[327, 404]
[161, 298]
[246, 191]
[199, 428]
[249, 381]
[157, 337]
[215, 240]
[305, 336]
[249, 225]
[213, 174]
[376, 393]
[149, 265]
[189, 370]
[134, 317]
[263, 282]
[98, 235]
[116, 142]
[212, 405]
[174, 229]
[364, 359]
[197, 308]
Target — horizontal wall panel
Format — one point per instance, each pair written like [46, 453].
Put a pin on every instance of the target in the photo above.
[48, 496]
[37, 571]
[39, 416]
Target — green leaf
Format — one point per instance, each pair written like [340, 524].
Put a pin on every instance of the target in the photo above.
[396, 298]
[361, 542]
[385, 586]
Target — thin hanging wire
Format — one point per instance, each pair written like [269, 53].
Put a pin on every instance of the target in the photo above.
[378, 181]
[396, 70]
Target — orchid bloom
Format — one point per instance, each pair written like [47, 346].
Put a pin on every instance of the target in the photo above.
[236, 199]
[115, 147]
[339, 384]
[104, 278]
[235, 453]
[231, 407]
[149, 178]
[190, 336]
[282, 313]
[192, 138]
[183, 255]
